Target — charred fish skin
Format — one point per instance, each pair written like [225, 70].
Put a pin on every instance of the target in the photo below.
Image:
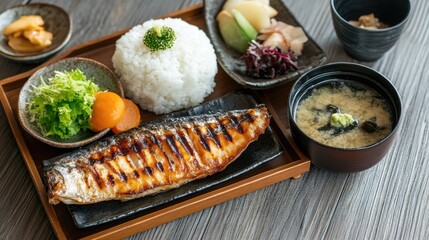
[154, 158]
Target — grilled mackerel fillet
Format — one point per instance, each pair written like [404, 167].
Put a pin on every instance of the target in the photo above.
[154, 158]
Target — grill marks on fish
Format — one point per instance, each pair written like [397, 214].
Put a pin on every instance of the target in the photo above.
[236, 124]
[156, 157]
[172, 144]
[202, 139]
[185, 144]
[224, 131]
[211, 134]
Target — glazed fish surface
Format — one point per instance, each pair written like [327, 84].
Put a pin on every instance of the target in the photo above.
[153, 158]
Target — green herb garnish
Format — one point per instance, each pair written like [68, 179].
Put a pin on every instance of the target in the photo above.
[159, 38]
[341, 120]
[63, 105]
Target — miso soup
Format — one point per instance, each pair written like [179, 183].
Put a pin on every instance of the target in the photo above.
[344, 116]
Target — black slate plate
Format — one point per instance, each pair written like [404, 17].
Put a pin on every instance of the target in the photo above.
[229, 59]
[261, 151]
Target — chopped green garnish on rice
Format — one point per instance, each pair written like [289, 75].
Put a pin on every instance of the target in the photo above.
[159, 38]
[63, 105]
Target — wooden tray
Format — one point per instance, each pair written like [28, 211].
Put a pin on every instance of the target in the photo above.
[290, 163]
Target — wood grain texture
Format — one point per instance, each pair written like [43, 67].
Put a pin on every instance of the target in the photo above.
[19, 204]
[12, 67]
[388, 201]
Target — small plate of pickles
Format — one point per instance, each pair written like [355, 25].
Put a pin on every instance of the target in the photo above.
[33, 32]
[260, 44]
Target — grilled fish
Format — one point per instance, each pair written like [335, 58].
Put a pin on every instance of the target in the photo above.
[153, 158]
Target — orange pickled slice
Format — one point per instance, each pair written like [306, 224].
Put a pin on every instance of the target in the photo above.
[131, 118]
[107, 110]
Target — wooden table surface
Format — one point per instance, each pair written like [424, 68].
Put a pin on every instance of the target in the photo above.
[388, 201]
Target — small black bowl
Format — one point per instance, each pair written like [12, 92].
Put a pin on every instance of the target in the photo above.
[363, 44]
[344, 159]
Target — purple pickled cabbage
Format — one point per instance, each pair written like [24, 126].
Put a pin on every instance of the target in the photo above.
[266, 62]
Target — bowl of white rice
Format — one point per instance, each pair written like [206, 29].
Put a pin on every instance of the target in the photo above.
[167, 80]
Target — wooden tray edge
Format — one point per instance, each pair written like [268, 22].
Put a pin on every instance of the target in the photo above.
[31, 167]
[179, 210]
[28, 159]
[203, 201]
[82, 47]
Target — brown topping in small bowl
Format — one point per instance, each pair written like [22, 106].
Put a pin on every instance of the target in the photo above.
[27, 34]
[368, 22]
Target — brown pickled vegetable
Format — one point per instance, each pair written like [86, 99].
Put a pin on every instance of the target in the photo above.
[27, 34]
[368, 22]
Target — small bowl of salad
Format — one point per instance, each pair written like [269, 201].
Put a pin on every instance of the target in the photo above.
[56, 104]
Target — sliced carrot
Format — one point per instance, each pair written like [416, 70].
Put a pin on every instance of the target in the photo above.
[107, 110]
[131, 118]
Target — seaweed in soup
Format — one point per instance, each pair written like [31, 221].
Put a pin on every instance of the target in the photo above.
[363, 114]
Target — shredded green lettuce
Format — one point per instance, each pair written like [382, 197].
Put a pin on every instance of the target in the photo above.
[63, 105]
